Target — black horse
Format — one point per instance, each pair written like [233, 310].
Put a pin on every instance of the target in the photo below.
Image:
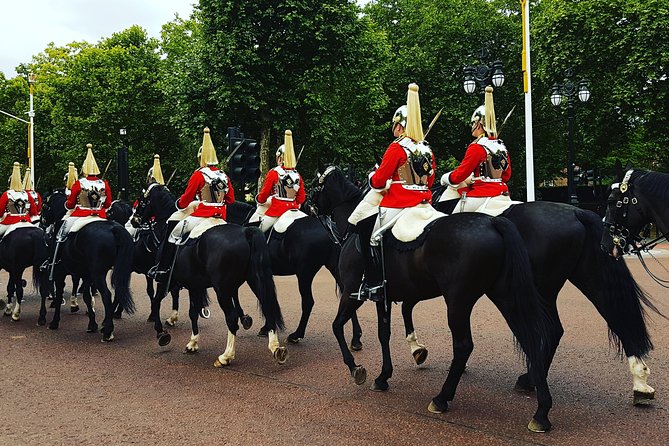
[301, 251]
[89, 254]
[460, 258]
[224, 257]
[23, 248]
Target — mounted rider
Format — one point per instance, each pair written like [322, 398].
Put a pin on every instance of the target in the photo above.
[481, 177]
[404, 178]
[16, 205]
[202, 205]
[28, 187]
[283, 188]
[154, 178]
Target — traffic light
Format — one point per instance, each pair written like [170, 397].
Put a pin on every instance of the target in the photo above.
[244, 166]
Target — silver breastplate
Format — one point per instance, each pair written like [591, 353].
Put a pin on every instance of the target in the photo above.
[288, 185]
[92, 194]
[215, 188]
[17, 203]
[416, 171]
[497, 158]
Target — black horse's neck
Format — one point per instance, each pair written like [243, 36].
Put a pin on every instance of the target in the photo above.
[343, 195]
[162, 204]
[651, 189]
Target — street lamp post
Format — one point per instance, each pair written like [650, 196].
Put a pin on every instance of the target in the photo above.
[485, 74]
[122, 164]
[31, 130]
[570, 90]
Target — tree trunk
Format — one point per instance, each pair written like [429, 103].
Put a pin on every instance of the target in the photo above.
[265, 141]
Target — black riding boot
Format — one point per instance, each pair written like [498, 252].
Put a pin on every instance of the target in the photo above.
[161, 271]
[372, 287]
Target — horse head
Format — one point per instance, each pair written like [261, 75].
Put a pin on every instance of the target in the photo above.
[119, 211]
[157, 203]
[53, 208]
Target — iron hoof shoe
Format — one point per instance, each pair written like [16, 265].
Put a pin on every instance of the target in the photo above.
[281, 355]
[164, 338]
[247, 322]
[420, 356]
[434, 408]
[537, 427]
[359, 374]
[643, 398]
[355, 346]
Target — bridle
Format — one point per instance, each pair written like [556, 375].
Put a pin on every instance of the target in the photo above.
[325, 220]
[620, 233]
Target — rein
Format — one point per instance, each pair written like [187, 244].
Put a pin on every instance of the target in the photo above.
[621, 235]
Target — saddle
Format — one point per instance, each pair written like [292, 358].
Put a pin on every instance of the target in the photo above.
[286, 219]
[204, 226]
[83, 221]
[10, 228]
[413, 222]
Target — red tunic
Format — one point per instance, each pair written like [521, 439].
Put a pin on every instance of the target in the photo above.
[279, 205]
[398, 196]
[195, 185]
[10, 219]
[71, 202]
[476, 155]
[39, 200]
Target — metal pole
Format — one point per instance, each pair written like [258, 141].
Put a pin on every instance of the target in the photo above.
[31, 135]
[571, 188]
[527, 78]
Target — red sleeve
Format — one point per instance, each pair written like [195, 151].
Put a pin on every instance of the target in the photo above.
[392, 159]
[195, 184]
[3, 203]
[33, 207]
[268, 186]
[506, 175]
[108, 198]
[230, 195]
[74, 193]
[474, 156]
[301, 193]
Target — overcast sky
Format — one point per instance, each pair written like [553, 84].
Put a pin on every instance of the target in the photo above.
[27, 27]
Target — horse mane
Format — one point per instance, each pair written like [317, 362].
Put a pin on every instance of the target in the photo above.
[653, 183]
[344, 186]
[163, 202]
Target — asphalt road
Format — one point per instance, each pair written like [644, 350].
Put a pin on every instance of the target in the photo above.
[65, 387]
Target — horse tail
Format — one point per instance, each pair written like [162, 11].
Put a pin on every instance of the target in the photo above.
[527, 314]
[40, 278]
[260, 277]
[120, 278]
[622, 302]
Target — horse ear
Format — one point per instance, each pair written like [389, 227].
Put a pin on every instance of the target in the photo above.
[628, 166]
[618, 170]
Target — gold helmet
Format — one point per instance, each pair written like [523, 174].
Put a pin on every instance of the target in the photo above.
[486, 114]
[414, 126]
[286, 152]
[70, 176]
[207, 153]
[90, 167]
[155, 173]
[27, 180]
[15, 182]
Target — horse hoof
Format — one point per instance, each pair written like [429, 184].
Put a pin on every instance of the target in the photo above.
[356, 346]
[92, 328]
[74, 308]
[435, 408]
[379, 386]
[169, 323]
[53, 326]
[3, 304]
[263, 332]
[218, 364]
[41, 322]
[359, 375]
[420, 355]
[537, 427]
[52, 304]
[643, 398]
[16, 317]
[281, 355]
[293, 339]
[164, 338]
[108, 338]
[8, 311]
[190, 350]
[247, 321]
[205, 313]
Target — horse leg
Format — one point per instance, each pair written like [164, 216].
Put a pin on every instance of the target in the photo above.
[418, 350]
[348, 307]
[196, 303]
[459, 314]
[383, 310]
[174, 317]
[163, 336]
[245, 319]
[90, 311]
[304, 283]
[59, 283]
[232, 321]
[15, 277]
[356, 343]
[150, 291]
[44, 292]
[7, 306]
[100, 282]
